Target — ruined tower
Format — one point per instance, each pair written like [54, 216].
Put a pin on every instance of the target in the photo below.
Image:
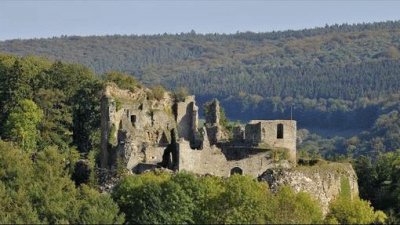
[215, 131]
[273, 134]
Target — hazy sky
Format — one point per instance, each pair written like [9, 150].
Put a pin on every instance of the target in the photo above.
[35, 19]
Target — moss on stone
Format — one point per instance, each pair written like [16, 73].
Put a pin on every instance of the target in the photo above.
[169, 111]
[118, 104]
[323, 166]
[345, 191]
[111, 136]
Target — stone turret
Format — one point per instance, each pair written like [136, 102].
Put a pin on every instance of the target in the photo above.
[216, 132]
[213, 113]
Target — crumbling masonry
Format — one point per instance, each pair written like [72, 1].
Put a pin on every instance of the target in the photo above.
[143, 133]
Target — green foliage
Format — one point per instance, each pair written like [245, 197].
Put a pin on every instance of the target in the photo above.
[354, 211]
[180, 94]
[289, 207]
[379, 181]
[223, 120]
[57, 120]
[97, 208]
[345, 191]
[123, 81]
[279, 154]
[158, 92]
[86, 115]
[152, 198]
[330, 75]
[244, 201]
[15, 85]
[37, 189]
[47, 109]
[118, 104]
[21, 124]
[112, 136]
[264, 78]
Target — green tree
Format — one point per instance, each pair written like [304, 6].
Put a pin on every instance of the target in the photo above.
[97, 208]
[15, 175]
[36, 188]
[244, 201]
[354, 211]
[122, 80]
[153, 199]
[86, 115]
[21, 124]
[288, 207]
[57, 121]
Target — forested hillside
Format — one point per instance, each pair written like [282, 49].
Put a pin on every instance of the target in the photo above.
[340, 68]
[49, 140]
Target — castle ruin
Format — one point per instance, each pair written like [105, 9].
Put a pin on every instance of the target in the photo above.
[144, 133]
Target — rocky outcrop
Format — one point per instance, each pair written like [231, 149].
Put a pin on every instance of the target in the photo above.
[324, 181]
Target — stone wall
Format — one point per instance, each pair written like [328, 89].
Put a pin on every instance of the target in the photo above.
[212, 160]
[238, 134]
[140, 132]
[253, 133]
[187, 118]
[136, 130]
[134, 126]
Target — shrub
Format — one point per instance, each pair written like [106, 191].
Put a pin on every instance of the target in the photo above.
[158, 92]
[354, 211]
[180, 94]
[123, 81]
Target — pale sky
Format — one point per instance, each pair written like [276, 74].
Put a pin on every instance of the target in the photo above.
[36, 19]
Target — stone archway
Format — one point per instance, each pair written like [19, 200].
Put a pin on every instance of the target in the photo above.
[236, 170]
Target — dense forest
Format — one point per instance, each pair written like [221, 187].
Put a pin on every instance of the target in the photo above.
[346, 69]
[341, 77]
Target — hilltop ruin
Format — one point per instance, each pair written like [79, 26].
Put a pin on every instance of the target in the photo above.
[145, 133]
[142, 132]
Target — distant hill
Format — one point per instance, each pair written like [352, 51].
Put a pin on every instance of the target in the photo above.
[324, 73]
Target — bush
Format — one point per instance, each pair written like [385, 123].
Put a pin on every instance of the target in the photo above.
[118, 104]
[123, 81]
[152, 199]
[180, 94]
[186, 198]
[354, 211]
[158, 92]
[36, 188]
[288, 207]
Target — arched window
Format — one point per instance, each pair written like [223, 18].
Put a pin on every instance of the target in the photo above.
[279, 131]
[236, 170]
